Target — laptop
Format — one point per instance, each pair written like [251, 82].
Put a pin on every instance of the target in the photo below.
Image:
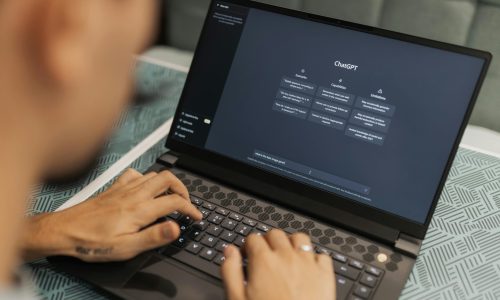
[307, 124]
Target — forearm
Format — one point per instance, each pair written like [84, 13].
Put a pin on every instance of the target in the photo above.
[44, 236]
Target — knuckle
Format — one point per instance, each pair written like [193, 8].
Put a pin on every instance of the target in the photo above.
[274, 232]
[166, 175]
[167, 172]
[131, 171]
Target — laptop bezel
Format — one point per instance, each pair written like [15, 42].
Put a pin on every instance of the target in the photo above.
[338, 202]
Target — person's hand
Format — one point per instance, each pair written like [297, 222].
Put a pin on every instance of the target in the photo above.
[115, 225]
[278, 268]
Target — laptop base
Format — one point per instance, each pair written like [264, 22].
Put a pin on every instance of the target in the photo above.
[173, 271]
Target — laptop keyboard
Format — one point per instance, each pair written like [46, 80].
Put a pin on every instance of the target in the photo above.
[201, 245]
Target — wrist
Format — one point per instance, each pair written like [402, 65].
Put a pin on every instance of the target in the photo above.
[44, 236]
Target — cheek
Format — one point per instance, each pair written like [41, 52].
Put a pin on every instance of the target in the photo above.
[142, 21]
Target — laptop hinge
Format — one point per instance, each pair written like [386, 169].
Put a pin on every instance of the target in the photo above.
[169, 159]
[408, 245]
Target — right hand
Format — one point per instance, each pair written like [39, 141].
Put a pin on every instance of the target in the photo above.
[278, 269]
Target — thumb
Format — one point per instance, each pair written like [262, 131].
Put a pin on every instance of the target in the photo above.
[152, 237]
[232, 274]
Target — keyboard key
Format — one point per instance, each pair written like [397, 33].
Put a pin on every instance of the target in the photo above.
[214, 230]
[356, 263]
[339, 257]
[183, 228]
[243, 229]
[222, 211]
[185, 220]
[219, 260]
[239, 241]
[362, 291]
[229, 224]
[209, 206]
[193, 247]
[180, 242]
[249, 222]
[373, 271]
[221, 246]
[202, 224]
[205, 212]
[321, 250]
[215, 218]
[346, 271]
[196, 201]
[209, 241]
[344, 286]
[368, 280]
[194, 234]
[236, 217]
[263, 227]
[208, 254]
[175, 215]
[228, 236]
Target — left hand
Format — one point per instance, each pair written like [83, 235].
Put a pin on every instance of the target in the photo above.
[114, 225]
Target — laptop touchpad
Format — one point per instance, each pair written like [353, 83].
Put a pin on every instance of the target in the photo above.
[163, 280]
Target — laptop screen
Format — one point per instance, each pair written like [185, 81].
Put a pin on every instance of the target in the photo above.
[366, 117]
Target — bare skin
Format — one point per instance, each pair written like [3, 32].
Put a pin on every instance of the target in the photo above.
[111, 226]
[64, 80]
[278, 269]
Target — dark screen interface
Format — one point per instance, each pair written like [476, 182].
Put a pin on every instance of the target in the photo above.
[367, 117]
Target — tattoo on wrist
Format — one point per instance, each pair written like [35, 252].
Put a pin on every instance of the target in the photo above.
[93, 251]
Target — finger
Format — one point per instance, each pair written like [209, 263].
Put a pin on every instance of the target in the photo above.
[127, 177]
[151, 238]
[162, 183]
[300, 240]
[137, 182]
[131, 184]
[254, 245]
[232, 274]
[325, 262]
[156, 208]
[278, 240]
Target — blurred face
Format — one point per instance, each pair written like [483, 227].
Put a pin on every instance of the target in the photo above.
[94, 71]
[66, 74]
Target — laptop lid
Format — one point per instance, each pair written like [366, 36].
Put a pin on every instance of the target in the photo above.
[355, 118]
